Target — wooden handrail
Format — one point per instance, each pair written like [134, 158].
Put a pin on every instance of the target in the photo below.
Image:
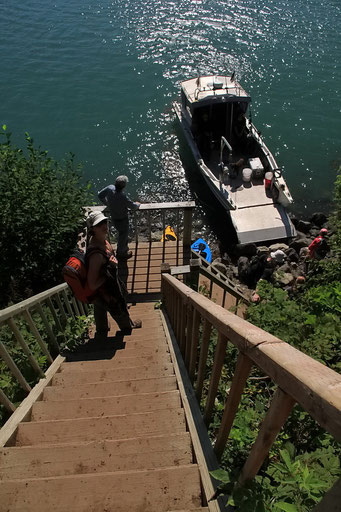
[300, 379]
[60, 302]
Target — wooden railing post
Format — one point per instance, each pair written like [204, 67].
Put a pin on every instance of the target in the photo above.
[14, 369]
[192, 279]
[189, 330]
[276, 416]
[36, 333]
[207, 329]
[6, 402]
[187, 234]
[243, 367]
[194, 345]
[215, 376]
[24, 346]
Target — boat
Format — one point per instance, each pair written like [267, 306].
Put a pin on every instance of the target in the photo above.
[233, 158]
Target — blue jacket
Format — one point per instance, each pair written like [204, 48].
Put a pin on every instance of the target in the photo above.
[117, 202]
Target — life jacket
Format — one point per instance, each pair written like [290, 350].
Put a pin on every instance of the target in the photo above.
[75, 274]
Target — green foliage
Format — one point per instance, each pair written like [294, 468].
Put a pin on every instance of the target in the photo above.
[74, 333]
[292, 483]
[303, 463]
[41, 215]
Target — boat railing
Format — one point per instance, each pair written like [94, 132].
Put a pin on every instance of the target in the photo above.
[297, 378]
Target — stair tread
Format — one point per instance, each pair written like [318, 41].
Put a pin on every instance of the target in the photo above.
[117, 361]
[104, 406]
[112, 388]
[128, 372]
[104, 427]
[95, 456]
[156, 490]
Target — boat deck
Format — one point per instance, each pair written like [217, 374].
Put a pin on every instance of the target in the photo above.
[244, 195]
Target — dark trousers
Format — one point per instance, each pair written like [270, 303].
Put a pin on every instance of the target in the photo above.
[122, 226]
[119, 314]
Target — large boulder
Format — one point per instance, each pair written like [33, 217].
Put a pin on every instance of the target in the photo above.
[304, 226]
[283, 278]
[292, 254]
[246, 250]
[318, 219]
[263, 249]
[278, 246]
[299, 243]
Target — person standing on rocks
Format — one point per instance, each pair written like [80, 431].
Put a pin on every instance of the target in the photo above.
[118, 203]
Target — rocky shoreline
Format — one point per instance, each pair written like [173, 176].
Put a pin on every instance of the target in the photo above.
[285, 265]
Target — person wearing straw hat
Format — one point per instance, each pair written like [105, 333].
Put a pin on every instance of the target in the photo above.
[119, 204]
[103, 279]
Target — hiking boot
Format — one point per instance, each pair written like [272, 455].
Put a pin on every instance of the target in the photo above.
[125, 256]
[137, 324]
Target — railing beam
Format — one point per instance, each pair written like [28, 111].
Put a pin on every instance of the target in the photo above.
[36, 334]
[13, 368]
[24, 346]
[215, 376]
[194, 345]
[6, 402]
[207, 329]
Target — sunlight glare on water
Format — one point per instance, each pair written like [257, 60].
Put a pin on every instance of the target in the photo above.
[98, 79]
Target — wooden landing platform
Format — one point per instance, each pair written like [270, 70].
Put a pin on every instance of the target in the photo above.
[141, 273]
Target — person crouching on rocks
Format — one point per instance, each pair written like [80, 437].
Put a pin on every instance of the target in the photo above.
[319, 246]
[103, 280]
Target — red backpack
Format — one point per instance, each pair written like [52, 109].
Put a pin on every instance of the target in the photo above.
[75, 274]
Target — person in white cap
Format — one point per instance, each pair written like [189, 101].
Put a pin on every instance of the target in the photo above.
[103, 280]
[118, 204]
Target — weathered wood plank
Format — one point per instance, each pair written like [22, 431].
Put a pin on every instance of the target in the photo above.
[242, 370]
[23, 412]
[218, 363]
[148, 385]
[280, 408]
[95, 456]
[168, 488]
[107, 427]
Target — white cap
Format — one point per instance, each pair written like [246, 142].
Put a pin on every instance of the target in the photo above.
[95, 218]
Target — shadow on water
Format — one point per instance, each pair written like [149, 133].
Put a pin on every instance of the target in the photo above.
[214, 215]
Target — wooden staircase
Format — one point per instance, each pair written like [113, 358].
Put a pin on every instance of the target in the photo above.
[109, 436]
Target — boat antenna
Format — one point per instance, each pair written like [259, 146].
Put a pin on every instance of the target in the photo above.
[233, 76]
[198, 82]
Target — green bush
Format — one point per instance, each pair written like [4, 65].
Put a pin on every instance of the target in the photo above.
[41, 215]
[303, 462]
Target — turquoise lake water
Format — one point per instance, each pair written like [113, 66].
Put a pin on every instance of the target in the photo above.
[98, 79]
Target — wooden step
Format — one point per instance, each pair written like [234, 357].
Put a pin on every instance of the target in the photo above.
[95, 456]
[134, 348]
[105, 406]
[114, 388]
[157, 490]
[117, 362]
[144, 333]
[107, 427]
[139, 372]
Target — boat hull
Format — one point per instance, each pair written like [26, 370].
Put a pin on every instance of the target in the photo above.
[254, 220]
